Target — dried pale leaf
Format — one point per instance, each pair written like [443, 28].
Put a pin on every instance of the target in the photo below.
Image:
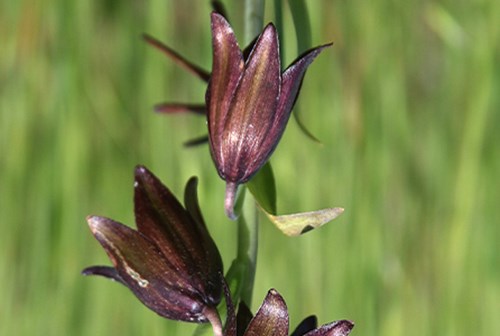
[302, 222]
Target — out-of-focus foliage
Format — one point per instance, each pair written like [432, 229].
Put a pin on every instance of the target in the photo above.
[406, 105]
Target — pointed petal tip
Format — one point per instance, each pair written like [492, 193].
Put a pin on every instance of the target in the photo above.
[274, 296]
[218, 20]
[86, 271]
[217, 16]
[343, 328]
[93, 222]
[140, 170]
[270, 29]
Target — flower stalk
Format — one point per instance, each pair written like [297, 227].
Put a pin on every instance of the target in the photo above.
[248, 228]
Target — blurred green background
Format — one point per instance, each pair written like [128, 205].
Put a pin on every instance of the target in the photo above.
[406, 105]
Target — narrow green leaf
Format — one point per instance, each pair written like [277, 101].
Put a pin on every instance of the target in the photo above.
[278, 22]
[302, 222]
[302, 25]
[302, 126]
[263, 189]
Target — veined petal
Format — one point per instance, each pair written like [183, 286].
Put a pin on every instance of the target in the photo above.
[252, 111]
[211, 269]
[271, 319]
[182, 239]
[227, 68]
[291, 80]
[337, 328]
[145, 271]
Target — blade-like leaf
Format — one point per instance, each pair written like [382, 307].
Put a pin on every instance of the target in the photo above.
[263, 188]
[271, 318]
[191, 67]
[171, 108]
[196, 141]
[337, 328]
[303, 33]
[300, 223]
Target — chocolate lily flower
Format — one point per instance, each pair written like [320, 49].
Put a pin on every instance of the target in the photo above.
[272, 320]
[249, 102]
[170, 262]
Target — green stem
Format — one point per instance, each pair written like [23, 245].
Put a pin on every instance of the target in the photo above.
[248, 229]
[248, 232]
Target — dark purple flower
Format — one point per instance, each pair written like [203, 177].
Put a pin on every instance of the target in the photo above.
[249, 100]
[272, 320]
[170, 262]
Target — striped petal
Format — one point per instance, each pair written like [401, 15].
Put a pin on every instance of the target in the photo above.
[146, 272]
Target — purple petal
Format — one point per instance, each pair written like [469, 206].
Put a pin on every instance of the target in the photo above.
[308, 324]
[145, 271]
[252, 113]
[290, 86]
[193, 68]
[271, 319]
[337, 328]
[184, 241]
[170, 108]
[104, 271]
[227, 69]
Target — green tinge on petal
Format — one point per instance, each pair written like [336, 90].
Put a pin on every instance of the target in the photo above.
[302, 222]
